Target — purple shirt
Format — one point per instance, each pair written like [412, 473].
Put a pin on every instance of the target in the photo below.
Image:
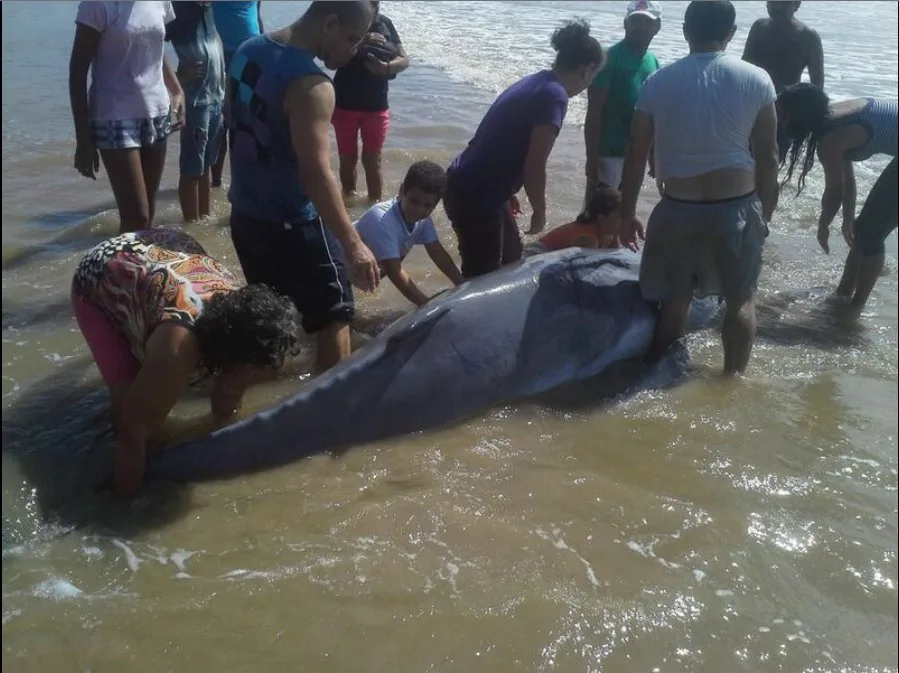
[491, 168]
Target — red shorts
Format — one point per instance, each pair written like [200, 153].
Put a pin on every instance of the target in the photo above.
[349, 123]
[110, 348]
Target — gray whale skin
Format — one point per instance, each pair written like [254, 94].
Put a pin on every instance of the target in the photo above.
[526, 329]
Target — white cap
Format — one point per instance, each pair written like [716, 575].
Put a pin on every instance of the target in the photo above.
[648, 8]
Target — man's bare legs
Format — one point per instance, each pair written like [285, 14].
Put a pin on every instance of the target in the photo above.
[737, 332]
[672, 324]
[738, 335]
[371, 162]
[332, 345]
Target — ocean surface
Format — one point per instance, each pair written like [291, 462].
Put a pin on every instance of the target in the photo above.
[746, 525]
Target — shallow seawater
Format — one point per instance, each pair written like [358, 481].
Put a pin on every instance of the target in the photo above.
[745, 525]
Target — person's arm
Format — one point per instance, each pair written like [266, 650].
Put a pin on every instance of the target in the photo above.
[543, 138]
[816, 59]
[638, 147]
[444, 262]
[259, 16]
[84, 50]
[596, 101]
[226, 396]
[393, 269]
[172, 354]
[176, 94]
[385, 69]
[309, 107]
[751, 48]
[764, 150]
[398, 64]
[834, 165]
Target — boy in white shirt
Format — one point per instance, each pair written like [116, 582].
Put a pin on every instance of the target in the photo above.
[391, 228]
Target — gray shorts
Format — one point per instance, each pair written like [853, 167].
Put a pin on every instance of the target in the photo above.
[703, 248]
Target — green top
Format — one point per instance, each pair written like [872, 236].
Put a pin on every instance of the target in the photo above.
[623, 76]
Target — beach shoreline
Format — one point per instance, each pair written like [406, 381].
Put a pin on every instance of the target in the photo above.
[746, 524]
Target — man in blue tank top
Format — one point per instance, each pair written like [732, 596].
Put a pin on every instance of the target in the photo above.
[288, 222]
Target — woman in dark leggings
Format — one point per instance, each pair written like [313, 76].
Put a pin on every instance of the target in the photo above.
[841, 134]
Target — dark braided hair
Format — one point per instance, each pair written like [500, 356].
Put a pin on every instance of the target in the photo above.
[253, 325]
[804, 110]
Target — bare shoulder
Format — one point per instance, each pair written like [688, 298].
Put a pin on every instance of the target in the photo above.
[760, 25]
[809, 34]
[310, 93]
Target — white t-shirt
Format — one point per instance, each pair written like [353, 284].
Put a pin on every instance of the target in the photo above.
[126, 75]
[704, 108]
[385, 233]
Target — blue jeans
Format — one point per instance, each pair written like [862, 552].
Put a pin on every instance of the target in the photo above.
[200, 138]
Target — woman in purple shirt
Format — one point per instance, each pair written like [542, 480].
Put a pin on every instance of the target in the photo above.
[510, 150]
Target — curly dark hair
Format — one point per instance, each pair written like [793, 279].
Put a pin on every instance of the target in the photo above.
[575, 47]
[603, 201]
[426, 176]
[804, 110]
[253, 325]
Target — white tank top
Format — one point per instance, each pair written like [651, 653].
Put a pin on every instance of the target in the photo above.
[704, 107]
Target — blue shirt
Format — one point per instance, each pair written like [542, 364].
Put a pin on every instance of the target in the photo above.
[195, 40]
[236, 22]
[265, 176]
[386, 234]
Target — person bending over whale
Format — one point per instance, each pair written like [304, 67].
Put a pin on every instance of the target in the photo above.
[842, 134]
[712, 121]
[158, 314]
[596, 227]
[510, 150]
[391, 228]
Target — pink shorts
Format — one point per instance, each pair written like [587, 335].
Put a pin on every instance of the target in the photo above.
[110, 348]
[349, 123]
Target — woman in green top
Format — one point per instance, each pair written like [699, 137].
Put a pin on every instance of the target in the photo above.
[612, 96]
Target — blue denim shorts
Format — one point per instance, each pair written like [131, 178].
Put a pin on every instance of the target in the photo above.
[200, 138]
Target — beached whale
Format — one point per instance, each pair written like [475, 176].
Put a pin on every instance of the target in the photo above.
[526, 329]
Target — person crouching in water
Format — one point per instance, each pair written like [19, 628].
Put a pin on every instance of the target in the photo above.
[158, 314]
[596, 227]
[391, 228]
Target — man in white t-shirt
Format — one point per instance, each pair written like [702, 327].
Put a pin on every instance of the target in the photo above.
[712, 121]
[391, 228]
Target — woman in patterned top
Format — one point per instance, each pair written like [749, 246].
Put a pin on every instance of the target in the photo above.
[158, 314]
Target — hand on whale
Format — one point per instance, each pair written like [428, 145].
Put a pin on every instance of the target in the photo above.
[526, 329]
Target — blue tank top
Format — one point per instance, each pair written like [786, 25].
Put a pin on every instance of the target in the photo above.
[236, 22]
[880, 118]
[265, 177]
